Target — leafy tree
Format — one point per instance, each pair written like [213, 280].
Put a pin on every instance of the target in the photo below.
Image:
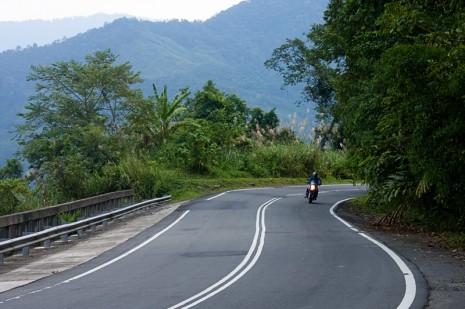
[157, 117]
[167, 111]
[256, 116]
[386, 74]
[77, 111]
[420, 79]
[265, 125]
[226, 114]
[268, 120]
[192, 149]
[215, 106]
[13, 193]
[12, 169]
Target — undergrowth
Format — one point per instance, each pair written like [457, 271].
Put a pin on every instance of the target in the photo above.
[450, 240]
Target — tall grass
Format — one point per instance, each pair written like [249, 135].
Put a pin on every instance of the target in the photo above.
[143, 175]
[158, 174]
[295, 160]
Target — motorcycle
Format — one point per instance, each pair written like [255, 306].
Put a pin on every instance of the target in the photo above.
[312, 191]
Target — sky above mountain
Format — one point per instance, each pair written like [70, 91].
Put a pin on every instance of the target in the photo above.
[21, 10]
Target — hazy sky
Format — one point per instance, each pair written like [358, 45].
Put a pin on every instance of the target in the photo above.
[17, 10]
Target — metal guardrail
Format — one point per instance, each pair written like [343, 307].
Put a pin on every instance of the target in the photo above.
[46, 236]
[32, 221]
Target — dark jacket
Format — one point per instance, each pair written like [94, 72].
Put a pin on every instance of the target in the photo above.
[317, 180]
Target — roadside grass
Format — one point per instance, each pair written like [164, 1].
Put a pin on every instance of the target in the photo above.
[452, 241]
[191, 188]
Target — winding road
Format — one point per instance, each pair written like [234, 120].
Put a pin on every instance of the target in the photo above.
[254, 248]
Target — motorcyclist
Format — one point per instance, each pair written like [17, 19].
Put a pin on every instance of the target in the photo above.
[317, 181]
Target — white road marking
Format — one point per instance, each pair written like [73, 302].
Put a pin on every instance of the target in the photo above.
[237, 190]
[107, 263]
[213, 197]
[410, 285]
[130, 251]
[239, 271]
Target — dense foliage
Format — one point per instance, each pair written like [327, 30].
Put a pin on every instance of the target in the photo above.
[89, 130]
[389, 76]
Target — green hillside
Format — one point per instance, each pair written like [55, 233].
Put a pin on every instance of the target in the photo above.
[229, 49]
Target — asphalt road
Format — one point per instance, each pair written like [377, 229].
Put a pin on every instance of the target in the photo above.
[259, 248]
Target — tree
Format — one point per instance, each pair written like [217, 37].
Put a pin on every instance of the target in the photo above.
[215, 106]
[264, 125]
[226, 114]
[77, 111]
[13, 194]
[12, 169]
[387, 75]
[420, 78]
[256, 116]
[168, 111]
[270, 119]
[156, 118]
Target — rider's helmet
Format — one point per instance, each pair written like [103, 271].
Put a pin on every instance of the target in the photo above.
[315, 174]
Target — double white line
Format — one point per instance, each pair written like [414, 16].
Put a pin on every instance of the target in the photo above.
[247, 263]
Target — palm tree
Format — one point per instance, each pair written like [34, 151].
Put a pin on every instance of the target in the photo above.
[167, 111]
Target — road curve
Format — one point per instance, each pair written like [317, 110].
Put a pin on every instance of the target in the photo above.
[255, 248]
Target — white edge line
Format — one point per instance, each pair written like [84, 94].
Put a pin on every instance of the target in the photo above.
[103, 265]
[236, 190]
[410, 285]
[128, 252]
[213, 197]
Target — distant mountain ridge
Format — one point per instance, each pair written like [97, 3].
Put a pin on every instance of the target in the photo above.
[22, 34]
[230, 49]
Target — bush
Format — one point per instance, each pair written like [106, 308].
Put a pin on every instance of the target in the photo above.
[296, 160]
[69, 217]
[148, 178]
[13, 196]
[333, 163]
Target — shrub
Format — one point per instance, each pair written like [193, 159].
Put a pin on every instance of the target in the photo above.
[333, 163]
[148, 178]
[13, 196]
[69, 217]
[295, 160]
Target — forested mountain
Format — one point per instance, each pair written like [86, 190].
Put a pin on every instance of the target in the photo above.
[229, 49]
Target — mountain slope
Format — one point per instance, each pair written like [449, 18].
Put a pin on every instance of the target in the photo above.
[229, 49]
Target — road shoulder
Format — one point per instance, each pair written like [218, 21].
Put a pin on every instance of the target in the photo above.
[20, 270]
[443, 270]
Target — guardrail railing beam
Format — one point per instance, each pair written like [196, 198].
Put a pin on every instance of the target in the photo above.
[46, 236]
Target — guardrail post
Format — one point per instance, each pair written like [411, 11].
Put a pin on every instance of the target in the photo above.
[80, 232]
[47, 243]
[64, 237]
[25, 250]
